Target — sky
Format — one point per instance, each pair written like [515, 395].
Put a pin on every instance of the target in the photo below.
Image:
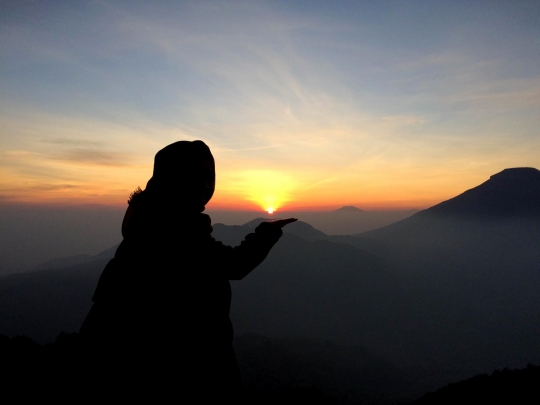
[304, 104]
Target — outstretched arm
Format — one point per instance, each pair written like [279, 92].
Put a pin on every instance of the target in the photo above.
[238, 261]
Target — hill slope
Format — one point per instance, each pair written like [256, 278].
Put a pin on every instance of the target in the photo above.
[443, 295]
[511, 193]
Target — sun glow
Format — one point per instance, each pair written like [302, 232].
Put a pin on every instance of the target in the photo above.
[270, 190]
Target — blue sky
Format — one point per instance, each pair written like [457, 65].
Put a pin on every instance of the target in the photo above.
[346, 102]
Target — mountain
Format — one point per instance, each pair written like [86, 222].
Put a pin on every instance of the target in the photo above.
[53, 297]
[442, 295]
[348, 209]
[63, 262]
[347, 374]
[512, 192]
[32, 234]
[255, 222]
[299, 228]
[507, 386]
[41, 304]
[507, 205]
[472, 264]
[350, 220]
[69, 261]
[285, 371]
[304, 290]
[234, 234]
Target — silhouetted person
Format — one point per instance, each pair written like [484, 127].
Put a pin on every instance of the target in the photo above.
[159, 325]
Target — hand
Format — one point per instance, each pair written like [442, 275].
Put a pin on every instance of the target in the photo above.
[280, 223]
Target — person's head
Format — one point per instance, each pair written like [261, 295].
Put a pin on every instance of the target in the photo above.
[184, 173]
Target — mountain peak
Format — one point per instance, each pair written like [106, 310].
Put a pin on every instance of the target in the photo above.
[349, 209]
[517, 173]
[255, 222]
[298, 228]
[511, 192]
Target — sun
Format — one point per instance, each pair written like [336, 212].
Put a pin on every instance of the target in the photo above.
[269, 189]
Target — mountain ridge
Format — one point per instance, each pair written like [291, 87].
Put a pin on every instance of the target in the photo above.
[511, 192]
[443, 299]
[348, 209]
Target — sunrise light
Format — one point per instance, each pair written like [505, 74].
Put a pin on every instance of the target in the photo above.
[289, 130]
[269, 189]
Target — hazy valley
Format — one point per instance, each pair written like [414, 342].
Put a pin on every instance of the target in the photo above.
[440, 296]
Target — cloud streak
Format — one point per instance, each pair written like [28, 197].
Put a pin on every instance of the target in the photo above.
[269, 86]
[95, 157]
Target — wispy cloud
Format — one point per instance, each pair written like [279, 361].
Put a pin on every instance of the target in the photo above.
[73, 142]
[41, 187]
[353, 95]
[502, 95]
[95, 157]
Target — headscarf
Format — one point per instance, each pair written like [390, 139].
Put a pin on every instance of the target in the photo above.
[173, 183]
[174, 166]
[179, 157]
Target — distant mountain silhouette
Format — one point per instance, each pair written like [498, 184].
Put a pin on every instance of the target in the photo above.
[351, 220]
[41, 304]
[298, 228]
[473, 263]
[285, 371]
[349, 374]
[512, 192]
[255, 222]
[348, 209]
[502, 386]
[442, 296]
[63, 262]
[233, 235]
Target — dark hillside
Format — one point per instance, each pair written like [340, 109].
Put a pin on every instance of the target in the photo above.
[441, 296]
[502, 386]
[511, 193]
[348, 209]
[283, 370]
[44, 303]
[315, 289]
[347, 374]
[473, 265]
[509, 196]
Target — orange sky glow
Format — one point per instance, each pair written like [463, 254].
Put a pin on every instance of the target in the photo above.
[303, 109]
[236, 189]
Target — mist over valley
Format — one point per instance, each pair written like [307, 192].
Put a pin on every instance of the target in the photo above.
[439, 296]
[31, 235]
